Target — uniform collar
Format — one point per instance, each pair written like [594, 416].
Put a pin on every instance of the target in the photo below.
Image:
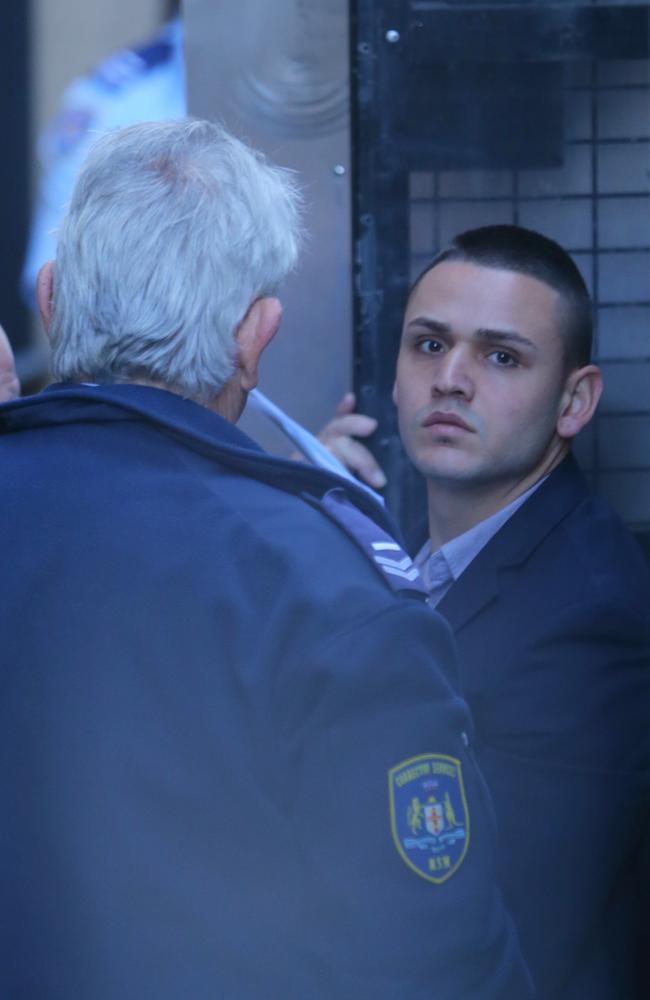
[199, 428]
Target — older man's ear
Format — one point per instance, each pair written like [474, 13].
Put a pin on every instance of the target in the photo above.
[45, 293]
[9, 384]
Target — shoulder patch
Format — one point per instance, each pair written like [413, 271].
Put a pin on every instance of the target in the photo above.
[429, 817]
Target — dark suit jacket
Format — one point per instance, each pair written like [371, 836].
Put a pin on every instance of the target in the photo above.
[552, 624]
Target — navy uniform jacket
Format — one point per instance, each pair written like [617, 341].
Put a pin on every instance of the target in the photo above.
[227, 747]
[552, 625]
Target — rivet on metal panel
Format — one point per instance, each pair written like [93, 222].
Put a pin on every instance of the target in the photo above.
[392, 36]
[339, 170]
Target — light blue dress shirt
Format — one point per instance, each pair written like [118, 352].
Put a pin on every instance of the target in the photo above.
[440, 569]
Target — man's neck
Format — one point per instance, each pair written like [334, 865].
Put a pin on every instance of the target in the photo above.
[455, 508]
[228, 403]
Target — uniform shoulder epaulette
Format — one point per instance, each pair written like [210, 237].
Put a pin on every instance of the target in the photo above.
[386, 555]
[125, 65]
[155, 53]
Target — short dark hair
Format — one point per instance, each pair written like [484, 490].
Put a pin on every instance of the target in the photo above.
[513, 248]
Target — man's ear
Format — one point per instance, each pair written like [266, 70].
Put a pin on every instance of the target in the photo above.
[579, 400]
[9, 384]
[45, 293]
[394, 393]
[256, 331]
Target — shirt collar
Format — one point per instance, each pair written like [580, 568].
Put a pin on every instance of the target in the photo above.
[448, 562]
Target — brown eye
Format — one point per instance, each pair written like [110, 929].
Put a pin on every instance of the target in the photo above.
[430, 346]
[504, 359]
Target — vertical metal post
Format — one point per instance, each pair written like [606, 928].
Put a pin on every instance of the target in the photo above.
[380, 199]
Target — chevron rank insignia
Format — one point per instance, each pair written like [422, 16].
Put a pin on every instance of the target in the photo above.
[393, 560]
[428, 815]
[389, 558]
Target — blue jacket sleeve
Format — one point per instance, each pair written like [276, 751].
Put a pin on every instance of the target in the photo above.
[393, 822]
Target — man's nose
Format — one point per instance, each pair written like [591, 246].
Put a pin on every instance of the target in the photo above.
[453, 375]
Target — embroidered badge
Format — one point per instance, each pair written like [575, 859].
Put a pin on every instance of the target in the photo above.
[428, 814]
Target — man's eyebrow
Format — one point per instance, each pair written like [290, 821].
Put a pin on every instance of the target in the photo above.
[429, 324]
[505, 337]
[484, 333]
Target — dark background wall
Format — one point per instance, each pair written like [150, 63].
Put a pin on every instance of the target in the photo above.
[14, 163]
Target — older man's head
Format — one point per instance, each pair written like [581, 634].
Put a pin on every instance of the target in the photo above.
[174, 233]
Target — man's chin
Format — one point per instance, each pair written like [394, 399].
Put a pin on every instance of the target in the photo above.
[450, 465]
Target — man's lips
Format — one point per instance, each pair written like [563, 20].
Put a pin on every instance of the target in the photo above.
[439, 417]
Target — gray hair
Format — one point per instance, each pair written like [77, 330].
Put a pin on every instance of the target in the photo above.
[173, 230]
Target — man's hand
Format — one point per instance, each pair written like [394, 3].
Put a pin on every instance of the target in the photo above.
[339, 437]
[9, 384]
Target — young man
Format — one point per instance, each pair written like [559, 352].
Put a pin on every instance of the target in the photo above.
[546, 592]
[232, 762]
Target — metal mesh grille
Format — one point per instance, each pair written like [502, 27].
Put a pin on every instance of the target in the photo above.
[597, 205]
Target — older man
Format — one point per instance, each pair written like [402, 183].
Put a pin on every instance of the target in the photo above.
[233, 763]
[547, 593]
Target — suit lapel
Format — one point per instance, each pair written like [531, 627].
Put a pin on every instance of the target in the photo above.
[478, 585]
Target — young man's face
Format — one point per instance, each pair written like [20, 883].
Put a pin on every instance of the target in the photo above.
[480, 377]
